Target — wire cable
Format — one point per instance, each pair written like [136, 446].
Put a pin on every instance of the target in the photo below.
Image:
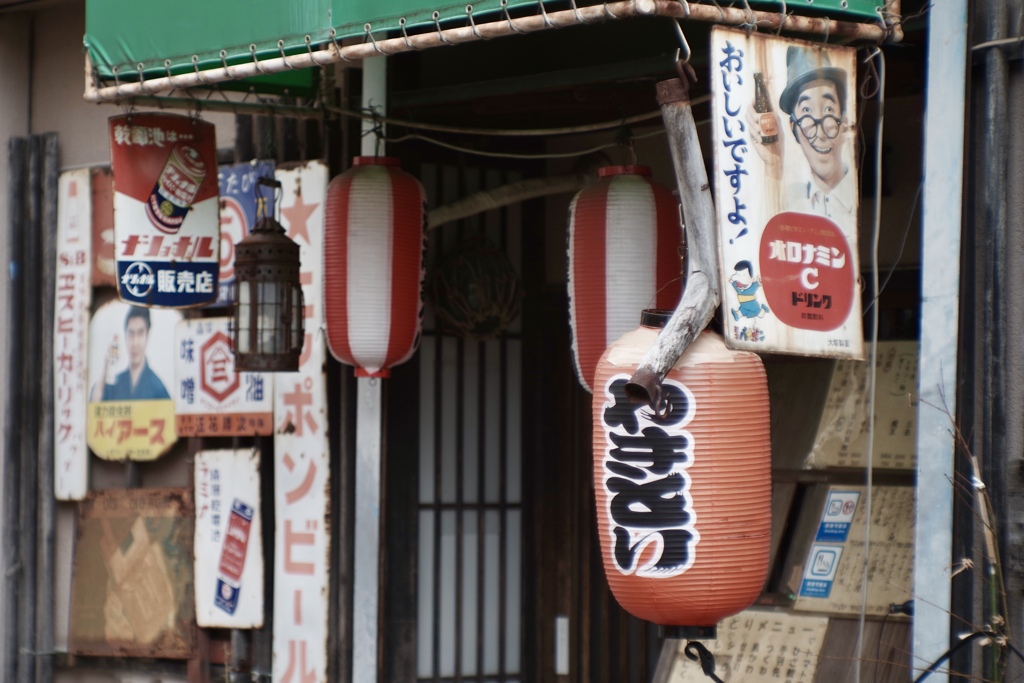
[872, 360]
[509, 132]
[515, 155]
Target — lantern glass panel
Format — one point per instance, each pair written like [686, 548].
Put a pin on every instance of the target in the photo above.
[270, 306]
[297, 314]
[243, 342]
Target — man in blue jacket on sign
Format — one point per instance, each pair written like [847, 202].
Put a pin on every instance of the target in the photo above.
[138, 382]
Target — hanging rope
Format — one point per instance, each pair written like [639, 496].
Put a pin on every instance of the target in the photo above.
[697, 652]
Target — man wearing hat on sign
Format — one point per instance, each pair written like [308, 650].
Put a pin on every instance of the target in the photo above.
[815, 98]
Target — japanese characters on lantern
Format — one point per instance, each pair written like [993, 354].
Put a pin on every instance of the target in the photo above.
[70, 335]
[786, 187]
[302, 463]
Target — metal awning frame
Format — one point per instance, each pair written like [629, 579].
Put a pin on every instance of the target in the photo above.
[886, 30]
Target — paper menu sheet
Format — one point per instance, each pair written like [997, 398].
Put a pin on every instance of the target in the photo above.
[843, 432]
[759, 646]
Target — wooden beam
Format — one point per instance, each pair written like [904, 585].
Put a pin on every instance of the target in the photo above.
[700, 294]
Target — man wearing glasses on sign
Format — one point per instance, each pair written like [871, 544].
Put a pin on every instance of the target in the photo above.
[815, 99]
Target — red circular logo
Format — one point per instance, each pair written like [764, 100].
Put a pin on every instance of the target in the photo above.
[807, 271]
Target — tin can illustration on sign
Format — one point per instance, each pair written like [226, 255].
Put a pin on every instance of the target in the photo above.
[176, 188]
[232, 558]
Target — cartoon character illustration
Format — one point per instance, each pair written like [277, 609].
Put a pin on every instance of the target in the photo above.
[746, 286]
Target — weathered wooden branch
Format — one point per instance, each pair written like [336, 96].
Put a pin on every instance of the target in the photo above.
[700, 294]
[512, 193]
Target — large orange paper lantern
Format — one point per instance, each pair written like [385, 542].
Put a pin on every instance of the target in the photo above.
[373, 265]
[683, 500]
[624, 239]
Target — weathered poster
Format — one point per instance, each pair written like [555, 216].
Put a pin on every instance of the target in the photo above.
[166, 214]
[785, 182]
[302, 463]
[131, 595]
[70, 336]
[241, 203]
[211, 399]
[131, 367]
[842, 439]
[228, 541]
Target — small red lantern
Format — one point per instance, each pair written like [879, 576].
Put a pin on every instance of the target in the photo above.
[684, 497]
[373, 265]
[624, 256]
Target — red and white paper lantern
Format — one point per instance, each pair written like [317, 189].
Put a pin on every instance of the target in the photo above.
[684, 498]
[624, 240]
[373, 265]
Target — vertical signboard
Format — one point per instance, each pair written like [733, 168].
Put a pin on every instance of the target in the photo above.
[239, 210]
[166, 218]
[228, 541]
[131, 366]
[301, 465]
[786, 189]
[210, 398]
[70, 335]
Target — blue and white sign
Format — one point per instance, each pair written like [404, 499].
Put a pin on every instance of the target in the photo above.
[239, 209]
[840, 508]
[820, 571]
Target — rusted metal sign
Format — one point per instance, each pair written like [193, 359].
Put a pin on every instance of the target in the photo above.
[131, 593]
[786, 190]
[302, 462]
[70, 336]
[228, 541]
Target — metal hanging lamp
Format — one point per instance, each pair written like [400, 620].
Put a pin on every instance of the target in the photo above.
[267, 329]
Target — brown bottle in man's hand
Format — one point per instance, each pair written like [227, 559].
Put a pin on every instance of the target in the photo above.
[763, 106]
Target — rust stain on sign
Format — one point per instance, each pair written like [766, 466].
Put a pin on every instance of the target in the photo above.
[132, 588]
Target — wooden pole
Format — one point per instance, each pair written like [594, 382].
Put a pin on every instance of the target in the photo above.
[16, 229]
[47, 502]
[701, 294]
[29, 427]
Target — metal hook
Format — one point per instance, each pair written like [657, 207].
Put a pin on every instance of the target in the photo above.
[309, 49]
[334, 39]
[544, 14]
[117, 82]
[576, 11]
[686, 7]
[608, 13]
[440, 33]
[280, 48]
[167, 68]
[888, 29]
[683, 45]
[828, 28]
[751, 22]
[367, 29]
[405, 34]
[252, 51]
[508, 18]
[469, 13]
[142, 79]
[195, 67]
[721, 11]
[782, 19]
[224, 61]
